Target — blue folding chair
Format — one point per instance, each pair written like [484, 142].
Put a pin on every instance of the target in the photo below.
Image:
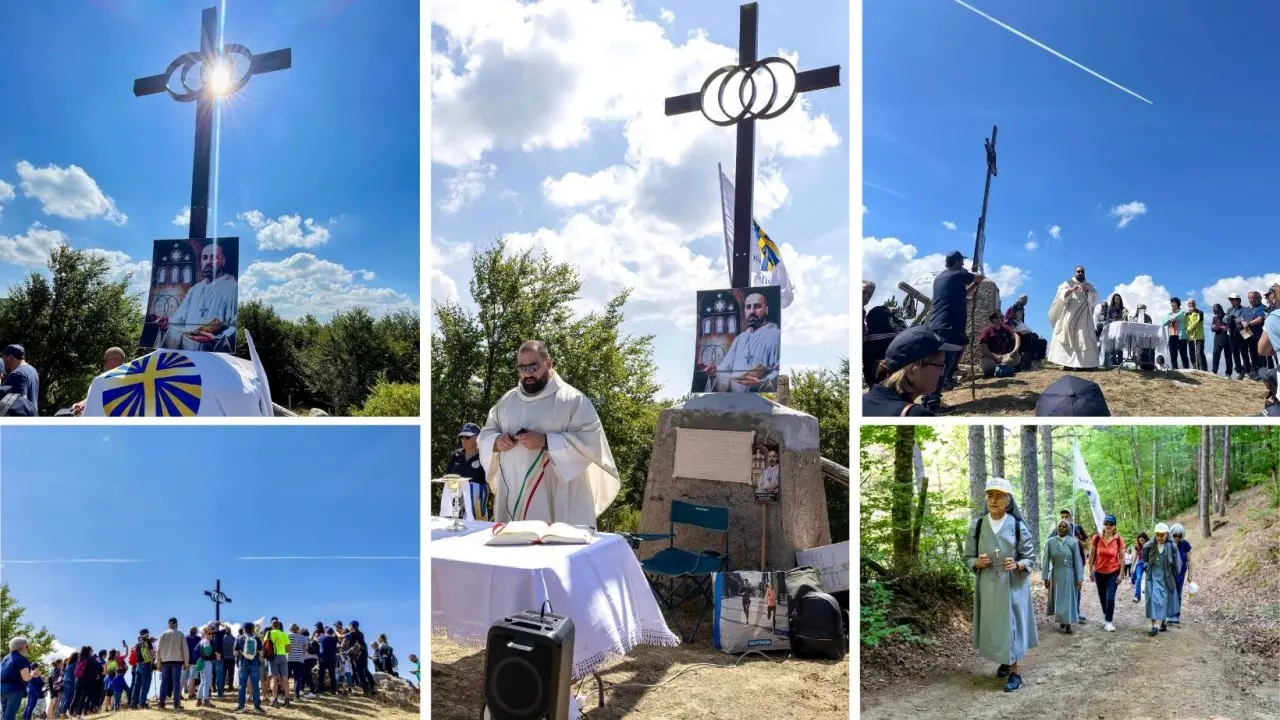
[688, 573]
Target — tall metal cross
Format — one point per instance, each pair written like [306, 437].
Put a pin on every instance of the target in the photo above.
[979, 245]
[217, 80]
[218, 598]
[755, 105]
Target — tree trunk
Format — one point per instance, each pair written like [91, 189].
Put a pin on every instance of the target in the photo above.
[1137, 470]
[1225, 493]
[1205, 510]
[900, 504]
[1030, 484]
[1211, 466]
[1046, 444]
[997, 451]
[977, 471]
[921, 509]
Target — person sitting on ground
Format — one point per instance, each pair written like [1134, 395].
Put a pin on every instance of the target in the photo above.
[999, 346]
[912, 365]
[1071, 396]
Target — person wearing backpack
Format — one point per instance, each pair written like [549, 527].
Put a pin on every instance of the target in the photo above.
[275, 650]
[248, 652]
[998, 549]
[1105, 555]
[142, 657]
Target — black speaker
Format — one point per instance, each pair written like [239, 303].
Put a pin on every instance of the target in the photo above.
[528, 666]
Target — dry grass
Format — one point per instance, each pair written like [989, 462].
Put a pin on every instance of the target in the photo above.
[322, 708]
[1129, 393]
[754, 689]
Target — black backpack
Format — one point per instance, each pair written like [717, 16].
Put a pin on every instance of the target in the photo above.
[817, 626]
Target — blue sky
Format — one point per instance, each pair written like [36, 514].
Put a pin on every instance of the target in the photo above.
[548, 129]
[1075, 153]
[319, 168]
[144, 493]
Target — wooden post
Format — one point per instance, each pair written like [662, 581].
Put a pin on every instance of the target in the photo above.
[764, 532]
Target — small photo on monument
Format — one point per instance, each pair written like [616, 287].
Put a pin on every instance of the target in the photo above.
[191, 302]
[765, 472]
[738, 340]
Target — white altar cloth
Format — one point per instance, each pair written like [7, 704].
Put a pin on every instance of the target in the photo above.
[601, 587]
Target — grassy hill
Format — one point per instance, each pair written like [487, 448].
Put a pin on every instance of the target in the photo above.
[1129, 393]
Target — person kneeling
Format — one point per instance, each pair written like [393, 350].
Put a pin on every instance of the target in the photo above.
[999, 347]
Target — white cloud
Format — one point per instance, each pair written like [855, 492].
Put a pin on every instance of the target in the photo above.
[59, 651]
[1127, 212]
[33, 248]
[466, 186]
[1218, 291]
[666, 15]
[303, 283]
[121, 266]
[948, 225]
[6, 195]
[183, 218]
[1142, 291]
[511, 76]
[889, 261]
[442, 257]
[1031, 243]
[286, 231]
[67, 192]
[1055, 232]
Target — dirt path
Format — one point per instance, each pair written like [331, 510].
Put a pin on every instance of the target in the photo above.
[1125, 675]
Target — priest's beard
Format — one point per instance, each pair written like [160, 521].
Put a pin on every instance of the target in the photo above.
[754, 322]
[534, 385]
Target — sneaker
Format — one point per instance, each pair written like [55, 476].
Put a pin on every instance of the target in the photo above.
[1015, 682]
[1002, 671]
[1153, 632]
[1163, 627]
[239, 709]
[1109, 627]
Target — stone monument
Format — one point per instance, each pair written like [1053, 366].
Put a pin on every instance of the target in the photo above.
[797, 521]
[986, 302]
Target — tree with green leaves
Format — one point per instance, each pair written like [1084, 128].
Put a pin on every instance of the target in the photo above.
[65, 321]
[13, 623]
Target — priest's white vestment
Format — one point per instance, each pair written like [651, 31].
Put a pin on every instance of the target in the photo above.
[204, 301]
[751, 348]
[1075, 339]
[572, 479]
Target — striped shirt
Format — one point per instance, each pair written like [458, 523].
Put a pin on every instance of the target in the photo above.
[297, 647]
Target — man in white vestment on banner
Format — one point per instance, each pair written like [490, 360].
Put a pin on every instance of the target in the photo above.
[206, 317]
[751, 364]
[543, 448]
[1075, 339]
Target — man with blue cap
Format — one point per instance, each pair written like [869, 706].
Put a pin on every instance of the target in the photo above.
[465, 461]
[949, 319]
[20, 377]
[913, 365]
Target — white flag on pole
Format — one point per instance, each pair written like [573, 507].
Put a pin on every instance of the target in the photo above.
[1084, 482]
[773, 272]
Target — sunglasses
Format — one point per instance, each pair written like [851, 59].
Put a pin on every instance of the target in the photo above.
[530, 368]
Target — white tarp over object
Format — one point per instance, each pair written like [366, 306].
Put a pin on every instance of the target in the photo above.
[181, 383]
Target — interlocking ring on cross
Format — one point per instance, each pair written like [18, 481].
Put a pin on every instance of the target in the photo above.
[747, 91]
[186, 62]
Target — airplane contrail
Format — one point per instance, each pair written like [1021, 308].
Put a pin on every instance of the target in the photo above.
[883, 189]
[70, 561]
[333, 557]
[1049, 50]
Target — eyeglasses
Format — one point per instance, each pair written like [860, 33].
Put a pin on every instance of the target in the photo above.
[1178, 536]
[928, 364]
[530, 368]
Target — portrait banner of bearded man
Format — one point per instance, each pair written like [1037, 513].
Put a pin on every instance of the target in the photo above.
[752, 361]
[207, 310]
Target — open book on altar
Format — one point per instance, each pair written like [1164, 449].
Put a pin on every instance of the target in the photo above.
[536, 532]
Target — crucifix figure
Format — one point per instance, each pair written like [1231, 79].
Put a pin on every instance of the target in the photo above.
[215, 68]
[979, 244]
[744, 80]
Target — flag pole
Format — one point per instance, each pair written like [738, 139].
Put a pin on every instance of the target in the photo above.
[720, 177]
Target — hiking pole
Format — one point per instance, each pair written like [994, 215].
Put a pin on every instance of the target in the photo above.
[979, 242]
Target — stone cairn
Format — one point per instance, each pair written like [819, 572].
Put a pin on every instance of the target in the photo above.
[988, 301]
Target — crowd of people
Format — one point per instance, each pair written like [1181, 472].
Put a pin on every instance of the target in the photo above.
[1000, 551]
[207, 662]
[906, 370]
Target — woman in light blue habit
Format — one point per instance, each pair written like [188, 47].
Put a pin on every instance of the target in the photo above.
[998, 548]
[1063, 573]
[1163, 565]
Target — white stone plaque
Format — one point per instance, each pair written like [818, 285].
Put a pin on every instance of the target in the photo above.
[721, 455]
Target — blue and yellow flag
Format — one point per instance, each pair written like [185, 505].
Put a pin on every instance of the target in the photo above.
[768, 260]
